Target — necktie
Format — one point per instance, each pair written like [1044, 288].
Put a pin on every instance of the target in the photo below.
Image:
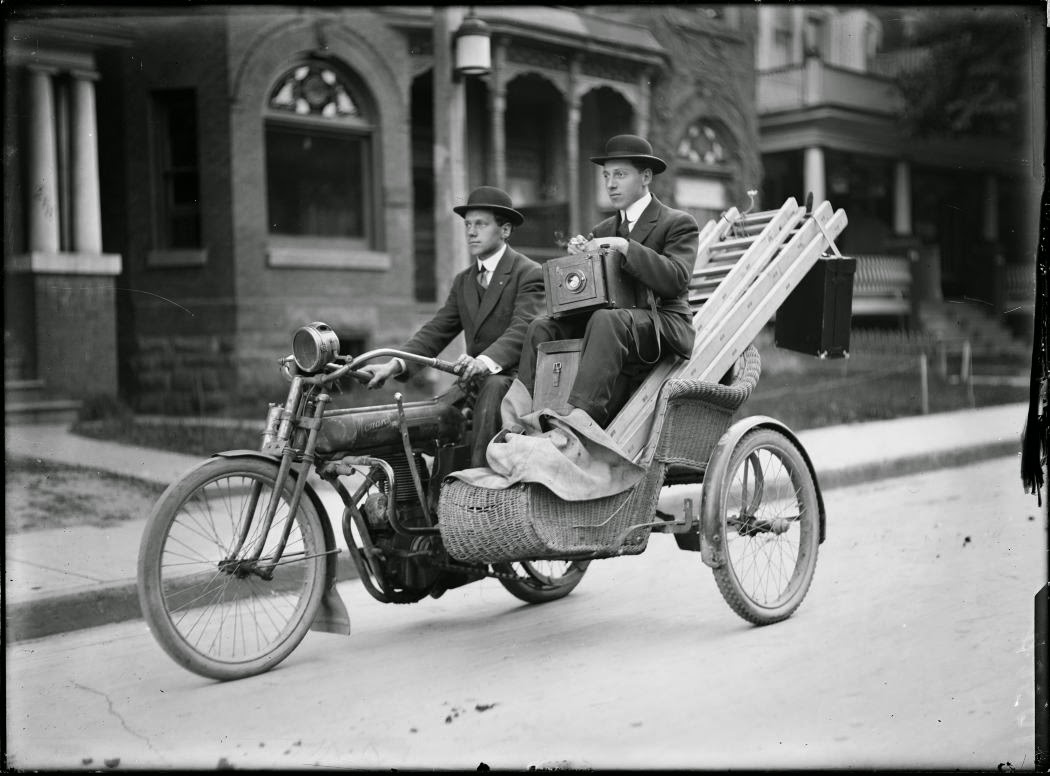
[624, 229]
[483, 277]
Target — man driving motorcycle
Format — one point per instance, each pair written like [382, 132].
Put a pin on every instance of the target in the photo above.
[492, 302]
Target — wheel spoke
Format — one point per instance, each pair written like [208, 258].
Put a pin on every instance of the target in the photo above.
[211, 609]
[768, 527]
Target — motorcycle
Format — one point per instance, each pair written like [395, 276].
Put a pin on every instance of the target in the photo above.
[239, 558]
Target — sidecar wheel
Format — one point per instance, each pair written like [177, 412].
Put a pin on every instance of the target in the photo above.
[201, 596]
[539, 581]
[768, 528]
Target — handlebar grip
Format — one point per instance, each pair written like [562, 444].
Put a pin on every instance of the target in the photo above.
[361, 377]
[448, 366]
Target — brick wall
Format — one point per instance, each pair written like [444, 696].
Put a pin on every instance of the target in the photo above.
[274, 301]
[177, 322]
[76, 332]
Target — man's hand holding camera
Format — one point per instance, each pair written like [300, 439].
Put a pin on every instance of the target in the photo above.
[590, 244]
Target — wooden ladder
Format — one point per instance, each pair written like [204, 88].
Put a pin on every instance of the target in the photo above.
[746, 266]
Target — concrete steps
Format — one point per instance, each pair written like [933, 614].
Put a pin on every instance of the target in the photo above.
[27, 401]
[956, 321]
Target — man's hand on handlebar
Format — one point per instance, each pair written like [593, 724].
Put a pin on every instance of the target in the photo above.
[471, 369]
[381, 372]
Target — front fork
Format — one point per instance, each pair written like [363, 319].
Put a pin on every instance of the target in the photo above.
[281, 441]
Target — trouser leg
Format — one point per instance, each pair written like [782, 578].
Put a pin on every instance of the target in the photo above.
[610, 361]
[487, 419]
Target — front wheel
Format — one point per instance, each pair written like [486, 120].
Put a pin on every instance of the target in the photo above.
[768, 528]
[211, 587]
[539, 581]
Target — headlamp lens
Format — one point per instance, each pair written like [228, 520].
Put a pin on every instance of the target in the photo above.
[313, 346]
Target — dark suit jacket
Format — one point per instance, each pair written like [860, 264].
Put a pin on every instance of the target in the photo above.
[661, 254]
[493, 326]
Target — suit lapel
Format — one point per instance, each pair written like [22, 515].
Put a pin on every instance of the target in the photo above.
[468, 295]
[646, 221]
[496, 286]
[606, 228]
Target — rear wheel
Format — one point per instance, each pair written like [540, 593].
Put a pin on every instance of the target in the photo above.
[768, 528]
[213, 607]
[539, 581]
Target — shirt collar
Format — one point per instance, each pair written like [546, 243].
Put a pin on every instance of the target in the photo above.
[634, 210]
[492, 261]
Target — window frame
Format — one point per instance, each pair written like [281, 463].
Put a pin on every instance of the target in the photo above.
[163, 209]
[326, 251]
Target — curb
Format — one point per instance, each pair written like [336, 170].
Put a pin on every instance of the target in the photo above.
[103, 605]
[118, 602]
[916, 464]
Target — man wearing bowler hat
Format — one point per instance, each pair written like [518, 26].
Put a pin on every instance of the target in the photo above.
[491, 302]
[658, 245]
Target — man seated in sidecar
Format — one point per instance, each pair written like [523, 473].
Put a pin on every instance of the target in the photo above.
[492, 302]
[659, 245]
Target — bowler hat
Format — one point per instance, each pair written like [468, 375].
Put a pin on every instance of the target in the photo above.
[491, 198]
[631, 147]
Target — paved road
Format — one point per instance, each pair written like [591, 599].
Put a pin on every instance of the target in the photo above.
[913, 649]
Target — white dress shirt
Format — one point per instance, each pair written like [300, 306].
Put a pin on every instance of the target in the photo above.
[634, 210]
[489, 264]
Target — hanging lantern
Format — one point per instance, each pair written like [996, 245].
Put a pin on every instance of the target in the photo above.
[473, 47]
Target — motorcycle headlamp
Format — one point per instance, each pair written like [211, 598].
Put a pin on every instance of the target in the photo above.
[313, 346]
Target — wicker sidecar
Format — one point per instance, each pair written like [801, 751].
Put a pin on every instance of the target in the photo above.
[761, 515]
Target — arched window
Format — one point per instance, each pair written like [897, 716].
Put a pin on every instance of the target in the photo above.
[320, 158]
[704, 161]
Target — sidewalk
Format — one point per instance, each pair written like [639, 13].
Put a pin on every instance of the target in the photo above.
[66, 579]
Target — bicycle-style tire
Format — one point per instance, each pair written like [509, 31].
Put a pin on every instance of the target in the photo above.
[768, 528]
[537, 582]
[202, 603]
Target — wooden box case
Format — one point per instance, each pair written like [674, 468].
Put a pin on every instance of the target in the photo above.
[557, 362]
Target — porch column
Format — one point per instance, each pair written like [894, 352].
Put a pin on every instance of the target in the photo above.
[798, 35]
[497, 116]
[43, 170]
[813, 175]
[902, 199]
[644, 92]
[765, 36]
[450, 153]
[990, 220]
[87, 210]
[573, 150]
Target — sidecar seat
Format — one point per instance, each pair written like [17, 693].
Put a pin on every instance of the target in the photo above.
[528, 522]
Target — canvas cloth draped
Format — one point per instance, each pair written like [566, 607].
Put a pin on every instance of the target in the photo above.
[569, 454]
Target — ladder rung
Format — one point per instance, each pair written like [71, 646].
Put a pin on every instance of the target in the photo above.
[760, 216]
[744, 242]
[707, 269]
[699, 284]
[728, 256]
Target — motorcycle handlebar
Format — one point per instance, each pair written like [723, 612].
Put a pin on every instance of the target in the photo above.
[348, 369]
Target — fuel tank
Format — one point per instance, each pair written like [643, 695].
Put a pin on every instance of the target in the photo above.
[371, 428]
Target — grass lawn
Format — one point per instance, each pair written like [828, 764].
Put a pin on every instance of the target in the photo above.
[820, 393]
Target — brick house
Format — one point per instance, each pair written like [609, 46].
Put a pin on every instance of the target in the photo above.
[259, 168]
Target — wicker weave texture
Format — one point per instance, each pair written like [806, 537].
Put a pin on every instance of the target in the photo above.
[699, 413]
[528, 522]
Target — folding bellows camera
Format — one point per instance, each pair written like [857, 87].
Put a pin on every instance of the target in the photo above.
[589, 281]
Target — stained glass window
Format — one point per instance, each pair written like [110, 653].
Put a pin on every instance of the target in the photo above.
[319, 157]
[701, 145]
[313, 89]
